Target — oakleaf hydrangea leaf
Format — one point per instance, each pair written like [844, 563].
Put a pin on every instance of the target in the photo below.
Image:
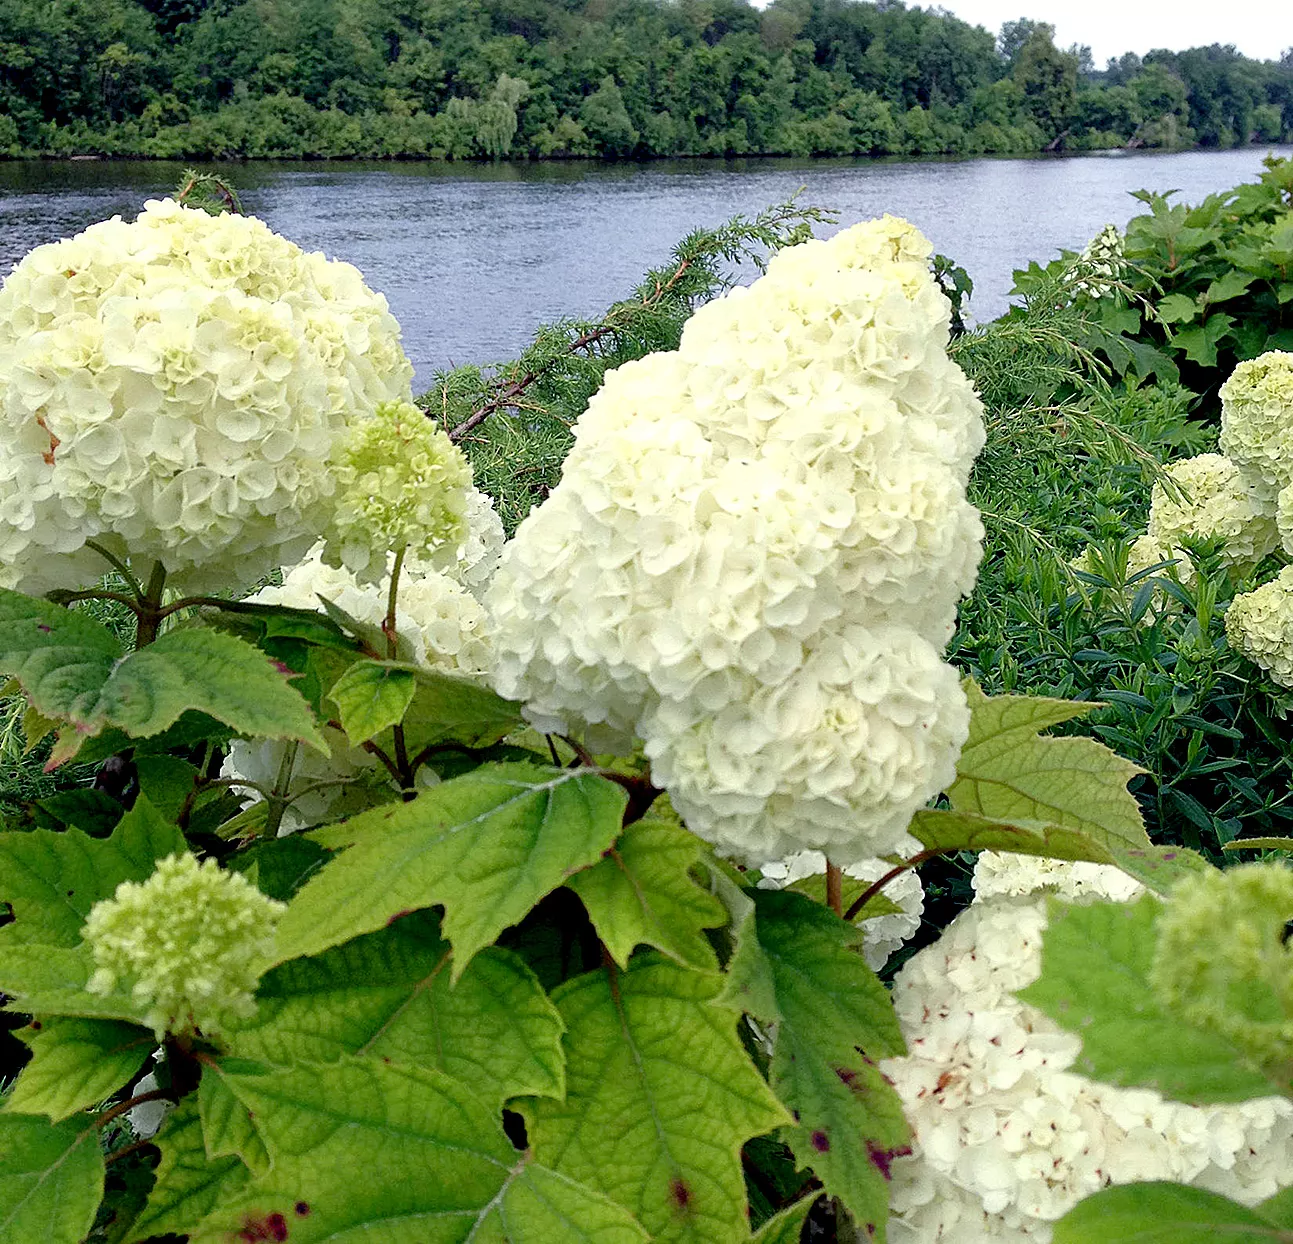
[73, 670]
[1007, 771]
[76, 1063]
[487, 846]
[228, 1130]
[787, 1227]
[1095, 982]
[387, 995]
[1163, 1213]
[643, 893]
[660, 1098]
[51, 1179]
[371, 696]
[833, 1019]
[189, 1184]
[445, 707]
[362, 1150]
[51, 880]
[538, 1206]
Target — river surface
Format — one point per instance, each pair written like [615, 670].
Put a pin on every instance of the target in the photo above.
[474, 257]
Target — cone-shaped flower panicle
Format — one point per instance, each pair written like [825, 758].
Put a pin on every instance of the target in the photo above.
[755, 553]
[189, 944]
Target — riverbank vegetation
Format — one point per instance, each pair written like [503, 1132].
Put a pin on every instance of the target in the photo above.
[531, 79]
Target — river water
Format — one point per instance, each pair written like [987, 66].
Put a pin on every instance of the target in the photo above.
[474, 257]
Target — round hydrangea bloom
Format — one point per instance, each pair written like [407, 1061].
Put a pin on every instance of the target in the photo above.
[881, 935]
[1214, 502]
[173, 389]
[473, 561]
[1007, 1137]
[1259, 624]
[1257, 422]
[190, 942]
[401, 484]
[438, 623]
[1223, 962]
[755, 553]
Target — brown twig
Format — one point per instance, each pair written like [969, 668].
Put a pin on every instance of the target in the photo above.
[872, 890]
[130, 1103]
[835, 888]
[509, 395]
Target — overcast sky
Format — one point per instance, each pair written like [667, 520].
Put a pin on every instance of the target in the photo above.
[1259, 28]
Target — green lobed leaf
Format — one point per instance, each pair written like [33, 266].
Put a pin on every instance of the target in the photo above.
[1164, 1213]
[76, 1063]
[1095, 982]
[188, 1184]
[486, 846]
[538, 1206]
[786, 1227]
[51, 980]
[1156, 867]
[387, 995]
[196, 668]
[60, 657]
[51, 1179]
[365, 1151]
[1007, 771]
[1278, 1208]
[74, 670]
[833, 1019]
[1258, 844]
[370, 697]
[51, 880]
[643, 893]
[660, 1098]
[448, 708]
[228, 1129]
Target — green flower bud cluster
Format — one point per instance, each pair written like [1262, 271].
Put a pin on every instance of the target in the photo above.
[189, 943]
[401, 484]
[1222, 963]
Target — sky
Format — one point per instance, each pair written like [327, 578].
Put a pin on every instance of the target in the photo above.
[1262, 29]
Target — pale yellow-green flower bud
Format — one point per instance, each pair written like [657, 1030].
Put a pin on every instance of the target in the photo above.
[1222, 962]
[189, 944]
[401, 484]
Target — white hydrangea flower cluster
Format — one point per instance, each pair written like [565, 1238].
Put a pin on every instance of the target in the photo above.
[882, 935]
[401, 484]
[1214, 502]
[1007, 1137]
[439, 624]
[1259, 624]
[191, 942]
[754, 557]
[1257, 423]
[1101, 264]
[173, 389]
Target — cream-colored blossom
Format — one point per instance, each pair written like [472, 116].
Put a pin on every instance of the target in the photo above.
[1101, 265]
[438, 623]
[173, 389]
[754, 557]
[1257, 422]
[1259, 624]
[401, 484]
[1223, 962]
[189, 943]
[1007, 1137]
[881, 935]
[1211, 500]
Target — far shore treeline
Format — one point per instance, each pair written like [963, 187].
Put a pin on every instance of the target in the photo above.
[526, 79]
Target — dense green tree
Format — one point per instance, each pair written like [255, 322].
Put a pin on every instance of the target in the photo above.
[612, 78]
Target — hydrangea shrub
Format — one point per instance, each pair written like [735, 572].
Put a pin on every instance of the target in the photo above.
[518, 984]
